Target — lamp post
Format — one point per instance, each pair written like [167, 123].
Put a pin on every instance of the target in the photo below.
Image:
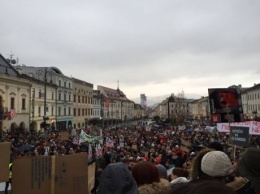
[39, 73]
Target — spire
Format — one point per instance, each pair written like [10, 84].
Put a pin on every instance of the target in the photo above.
[118, 85]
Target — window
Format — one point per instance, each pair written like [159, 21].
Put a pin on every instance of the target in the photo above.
[23, 104]
[65, 84]
[86, 113]
[59, 111]
[69, 85]
[82, 99]
[40, 93]
[69, 111]
[52, 95]
[78, 99]
[39, 111]
[74, 98]
[59, 83]
[59, 96]
[86, 100]
[12, 103]
[69, 97]
[74, 110]
[65, 111]
[82, 112]
[79, 112]
[65, 97]
[52, 110]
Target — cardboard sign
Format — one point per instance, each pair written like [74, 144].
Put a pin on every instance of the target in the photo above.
[64, 136]
[185, 149]
[51, 174]
[4, 161]
[239, 136]
[185, 143]
[91, 176]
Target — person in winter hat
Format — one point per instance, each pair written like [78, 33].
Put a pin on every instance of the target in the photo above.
[117, 179]
[162, 171]
[248, 166]
[216, 165]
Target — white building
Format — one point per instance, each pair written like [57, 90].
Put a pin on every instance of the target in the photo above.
[14, 98]
[63, 101]
[251, 102]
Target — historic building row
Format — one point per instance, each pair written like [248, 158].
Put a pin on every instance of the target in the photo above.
[44, 98]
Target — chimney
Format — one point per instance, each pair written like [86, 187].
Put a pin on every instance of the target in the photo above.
[239, 85]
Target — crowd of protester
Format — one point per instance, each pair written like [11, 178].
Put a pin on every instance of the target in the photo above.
[156, 161]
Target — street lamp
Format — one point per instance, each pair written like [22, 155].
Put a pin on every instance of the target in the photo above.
[39, 73]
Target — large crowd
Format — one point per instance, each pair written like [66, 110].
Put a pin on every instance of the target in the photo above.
[160, 161]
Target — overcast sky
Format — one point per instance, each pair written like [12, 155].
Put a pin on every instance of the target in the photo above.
[150, 46]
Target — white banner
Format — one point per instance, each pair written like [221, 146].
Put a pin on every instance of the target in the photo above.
[254, 126]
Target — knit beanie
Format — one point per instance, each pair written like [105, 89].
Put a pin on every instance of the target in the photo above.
[216, 164]
[162, 171]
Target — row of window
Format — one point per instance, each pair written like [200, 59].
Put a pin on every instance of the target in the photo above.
[12, 103]
[83, 99]
[64, 84]
[41, 95]
[66, 111]
[253, 107]
[83, 112]
[252, 96]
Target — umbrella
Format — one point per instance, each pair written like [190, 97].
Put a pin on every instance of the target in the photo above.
[25, 147]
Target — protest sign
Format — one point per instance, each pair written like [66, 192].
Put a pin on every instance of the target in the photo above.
[4, 161]
[239, 135]
[64, 135]
[91, 176]
[51, 174]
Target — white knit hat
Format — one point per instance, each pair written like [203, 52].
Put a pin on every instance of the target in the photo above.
[216, 164]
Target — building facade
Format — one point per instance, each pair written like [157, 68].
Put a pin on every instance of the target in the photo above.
[82, 103]
[251, 102]
[14, 98]
[116, 107]
[63, 94]
[199, 108]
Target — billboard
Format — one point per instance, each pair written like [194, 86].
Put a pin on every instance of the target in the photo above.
[225, 105]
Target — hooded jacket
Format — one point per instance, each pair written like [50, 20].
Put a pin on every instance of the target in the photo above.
[117, 179]
[155, 187]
